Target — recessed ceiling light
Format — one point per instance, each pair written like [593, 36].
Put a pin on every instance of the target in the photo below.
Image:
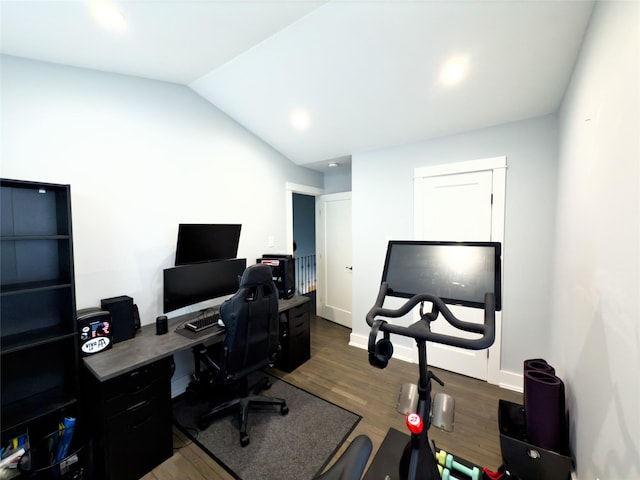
[108, 15]
[454, 70]
[300, 119]
[333, 164]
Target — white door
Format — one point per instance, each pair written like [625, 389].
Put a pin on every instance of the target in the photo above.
[458, 207]
[333, 245]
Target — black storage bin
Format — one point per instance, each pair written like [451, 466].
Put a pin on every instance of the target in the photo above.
[523, 460]
[39, 462]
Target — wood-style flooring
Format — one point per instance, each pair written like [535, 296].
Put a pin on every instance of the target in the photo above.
[341, 374]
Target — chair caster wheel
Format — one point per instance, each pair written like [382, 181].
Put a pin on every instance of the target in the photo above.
[284, 410]
[244, 440]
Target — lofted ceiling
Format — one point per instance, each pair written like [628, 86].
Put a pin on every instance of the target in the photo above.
[320, 80]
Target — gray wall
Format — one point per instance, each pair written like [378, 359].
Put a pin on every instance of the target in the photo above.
[595, 314]
[383, 210]
[141, 156]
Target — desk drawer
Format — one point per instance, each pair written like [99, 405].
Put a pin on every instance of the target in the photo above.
[299, 312]
[136, 380]
[300, 347]
[139, 439]
[295, 337]
[131, 420]
[298, 325]
[117, 404]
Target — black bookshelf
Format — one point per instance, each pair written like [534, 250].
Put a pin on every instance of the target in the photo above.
[38, 330]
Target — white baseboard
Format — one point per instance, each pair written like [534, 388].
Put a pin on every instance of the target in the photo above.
[511, 381]
[508, 380]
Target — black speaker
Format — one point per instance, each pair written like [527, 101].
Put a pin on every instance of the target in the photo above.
[284, 273]
[162, 326]
[122, 316]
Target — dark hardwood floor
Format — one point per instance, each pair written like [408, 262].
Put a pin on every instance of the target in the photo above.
[341, 374]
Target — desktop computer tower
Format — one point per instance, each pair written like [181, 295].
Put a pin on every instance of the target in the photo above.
[122, 312]
[284, 273]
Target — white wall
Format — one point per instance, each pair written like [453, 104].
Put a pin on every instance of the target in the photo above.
[383, 210]
[141, 156]
[596, 304]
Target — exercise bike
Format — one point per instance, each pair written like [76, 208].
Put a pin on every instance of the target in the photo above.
[409, 267]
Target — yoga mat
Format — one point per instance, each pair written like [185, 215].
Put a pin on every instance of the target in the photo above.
[539, 364]
[544, 407]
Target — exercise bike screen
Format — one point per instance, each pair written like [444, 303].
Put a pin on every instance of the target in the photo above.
[459, 273]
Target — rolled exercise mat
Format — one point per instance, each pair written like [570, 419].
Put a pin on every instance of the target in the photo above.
[544, 409]
[539, 364]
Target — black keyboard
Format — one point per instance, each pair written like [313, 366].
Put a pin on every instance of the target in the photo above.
[202, 323]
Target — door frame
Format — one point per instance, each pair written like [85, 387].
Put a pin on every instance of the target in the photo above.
[498, 165]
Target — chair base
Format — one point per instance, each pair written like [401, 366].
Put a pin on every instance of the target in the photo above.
[249, 396]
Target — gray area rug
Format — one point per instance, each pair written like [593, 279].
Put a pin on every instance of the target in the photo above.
[296, 446]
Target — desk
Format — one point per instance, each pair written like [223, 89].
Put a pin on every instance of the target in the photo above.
[128, 390]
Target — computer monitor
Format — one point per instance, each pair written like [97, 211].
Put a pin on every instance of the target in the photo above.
[204, 242]
[460, 273]
[190, 284]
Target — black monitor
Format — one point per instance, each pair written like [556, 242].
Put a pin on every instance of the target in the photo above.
[204, 242]
[190, 284]
[460, 273]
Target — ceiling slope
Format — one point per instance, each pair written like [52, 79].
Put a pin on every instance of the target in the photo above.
[359, 75]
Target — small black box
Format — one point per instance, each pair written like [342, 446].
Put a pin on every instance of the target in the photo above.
[94, 326]
[122, 317]
[523, 460]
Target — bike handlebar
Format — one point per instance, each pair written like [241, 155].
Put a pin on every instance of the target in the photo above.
[421, 329]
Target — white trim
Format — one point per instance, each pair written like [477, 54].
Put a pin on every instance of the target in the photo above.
[508, 380]
[511, 381]
[461, 167]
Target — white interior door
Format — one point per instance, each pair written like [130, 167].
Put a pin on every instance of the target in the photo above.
[333, 245]
[459, 207]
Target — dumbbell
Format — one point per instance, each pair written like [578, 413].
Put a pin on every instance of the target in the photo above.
[446, 460]
[445, 473]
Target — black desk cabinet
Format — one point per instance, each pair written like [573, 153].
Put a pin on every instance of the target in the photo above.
[131, 419]
[295, 338]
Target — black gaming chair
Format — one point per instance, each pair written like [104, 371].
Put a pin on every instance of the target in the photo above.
[251, 343]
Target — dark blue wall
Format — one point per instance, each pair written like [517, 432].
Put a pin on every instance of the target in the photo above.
[304, 223]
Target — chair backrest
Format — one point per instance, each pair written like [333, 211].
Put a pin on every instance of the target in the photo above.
[251, 321]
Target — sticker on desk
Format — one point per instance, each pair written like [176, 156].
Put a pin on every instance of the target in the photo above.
[95, 345]
[95, 337]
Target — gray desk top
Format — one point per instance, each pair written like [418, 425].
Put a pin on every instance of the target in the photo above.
[147, 347]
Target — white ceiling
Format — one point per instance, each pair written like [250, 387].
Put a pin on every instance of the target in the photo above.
[365, 71]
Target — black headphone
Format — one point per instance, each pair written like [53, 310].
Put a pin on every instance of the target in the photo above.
[381, 351]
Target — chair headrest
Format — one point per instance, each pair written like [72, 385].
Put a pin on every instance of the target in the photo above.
[257, 274]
